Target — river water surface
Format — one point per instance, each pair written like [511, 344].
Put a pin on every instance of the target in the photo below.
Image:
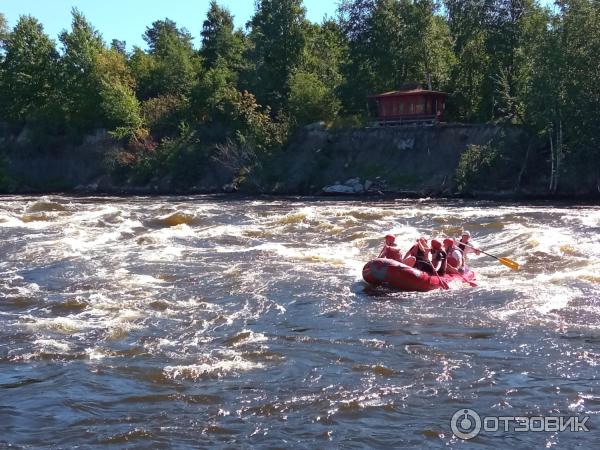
[196, 322]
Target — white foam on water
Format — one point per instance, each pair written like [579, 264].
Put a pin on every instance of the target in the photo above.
[97, 353]
[64, 325]
[217, 231]
[52, 345]
[226, 362]
[10, 221]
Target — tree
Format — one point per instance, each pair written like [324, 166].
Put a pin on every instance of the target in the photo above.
[220, 43]
[29, 71]
[4, 32]
[325, 53]
[173, 65]
[162, 32]
[142, 67]
[392, 42]
[80, 82]
[119, 46]
[121, 108]
[311, 100]
[277, 32]
[565, 91]
[466, 19]
[314, 85]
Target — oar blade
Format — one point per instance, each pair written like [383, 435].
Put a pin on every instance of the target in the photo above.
[509, 263]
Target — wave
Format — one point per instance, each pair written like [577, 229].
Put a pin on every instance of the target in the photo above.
[45, 205]
[174, 219]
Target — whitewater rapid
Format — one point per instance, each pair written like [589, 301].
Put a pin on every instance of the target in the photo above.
[205, 321]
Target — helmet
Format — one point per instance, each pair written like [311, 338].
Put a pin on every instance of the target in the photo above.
[466, 233]
[390, 238]
[435, 244]
[448, 242]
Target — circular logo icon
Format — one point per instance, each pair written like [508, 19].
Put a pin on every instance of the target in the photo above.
[465, 424]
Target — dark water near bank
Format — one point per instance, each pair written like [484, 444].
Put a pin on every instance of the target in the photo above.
[195, 322]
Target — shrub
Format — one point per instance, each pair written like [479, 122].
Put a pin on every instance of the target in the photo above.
[494, 166]
[475, 167]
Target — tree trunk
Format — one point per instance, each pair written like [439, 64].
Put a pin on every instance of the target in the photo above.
[523, 167]
[552, 161]
[559, 155]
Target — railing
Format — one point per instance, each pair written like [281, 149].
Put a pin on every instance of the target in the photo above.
[407, 119]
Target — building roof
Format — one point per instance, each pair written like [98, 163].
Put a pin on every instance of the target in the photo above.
[407, 92]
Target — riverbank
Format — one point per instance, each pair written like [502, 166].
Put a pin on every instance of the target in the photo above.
[410, 162]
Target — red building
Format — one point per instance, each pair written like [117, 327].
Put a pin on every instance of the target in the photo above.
[410, 105]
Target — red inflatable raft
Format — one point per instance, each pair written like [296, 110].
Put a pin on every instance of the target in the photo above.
[398, 275]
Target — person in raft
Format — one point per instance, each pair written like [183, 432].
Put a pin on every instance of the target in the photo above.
[455, 259]
[391, 251]
[471, 248]
[420, 251]
[438, 257]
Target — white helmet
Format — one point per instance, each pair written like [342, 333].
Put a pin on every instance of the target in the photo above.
[466, 233]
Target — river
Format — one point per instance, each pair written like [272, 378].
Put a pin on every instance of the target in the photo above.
[206, 322]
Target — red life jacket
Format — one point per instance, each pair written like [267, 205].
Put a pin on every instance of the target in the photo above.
[452, 260]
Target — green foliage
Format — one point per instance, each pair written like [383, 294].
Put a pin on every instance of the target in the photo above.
[278, 36]
[325, 53]
[173, 105]
[221, 45]
[120, 106]
[172, 65]
[214, 86]
[142, 66]
[311, 100]
[29, 73]
[233, 113]
[492, 42]
[251, 123]
[4, 33]
[350, 121]
[390, 43]
[80, 84]
[163, 114]
[490, 167]
[475, 167]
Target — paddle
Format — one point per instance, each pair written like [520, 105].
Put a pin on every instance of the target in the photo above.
[507, 262]
[443, 284]
[470, 283]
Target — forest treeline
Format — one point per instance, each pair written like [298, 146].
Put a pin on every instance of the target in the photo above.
[235, 95]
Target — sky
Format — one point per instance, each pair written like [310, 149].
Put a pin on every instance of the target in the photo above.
[127, 19]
